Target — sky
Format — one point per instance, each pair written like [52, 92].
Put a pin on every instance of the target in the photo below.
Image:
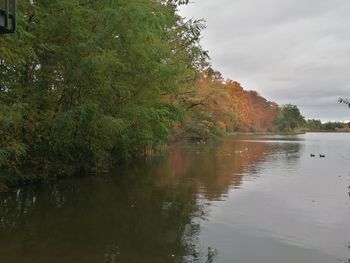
[289, 51]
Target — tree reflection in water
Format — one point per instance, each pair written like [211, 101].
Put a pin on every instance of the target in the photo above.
[150, 212]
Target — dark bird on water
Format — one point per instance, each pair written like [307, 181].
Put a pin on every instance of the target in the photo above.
[322, 156]
[312, 155]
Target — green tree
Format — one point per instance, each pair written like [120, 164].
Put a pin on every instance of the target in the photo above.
[314, 125]
[289, 118]
[86, 83]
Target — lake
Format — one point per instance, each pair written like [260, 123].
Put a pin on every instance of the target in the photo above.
[245, 199]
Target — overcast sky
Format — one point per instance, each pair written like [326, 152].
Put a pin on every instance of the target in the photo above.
[290, 51]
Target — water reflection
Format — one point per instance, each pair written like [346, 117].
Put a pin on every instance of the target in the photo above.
[150, 212]
[217, 168]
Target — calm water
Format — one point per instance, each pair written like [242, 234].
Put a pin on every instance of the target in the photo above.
[245, 200]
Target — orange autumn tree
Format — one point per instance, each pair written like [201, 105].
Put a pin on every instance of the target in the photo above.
[216, 106]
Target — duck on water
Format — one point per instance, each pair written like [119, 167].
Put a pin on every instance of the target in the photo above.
[321, 155]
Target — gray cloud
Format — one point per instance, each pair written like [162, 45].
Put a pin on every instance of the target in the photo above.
[290, 51]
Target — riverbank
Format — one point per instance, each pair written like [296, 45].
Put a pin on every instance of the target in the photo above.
[263, 133]
[341, 131]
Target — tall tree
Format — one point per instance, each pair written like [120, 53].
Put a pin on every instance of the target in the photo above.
[84, 83]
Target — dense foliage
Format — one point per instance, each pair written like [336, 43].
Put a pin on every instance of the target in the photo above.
[217, 106]
[79, 87]
[290, 118]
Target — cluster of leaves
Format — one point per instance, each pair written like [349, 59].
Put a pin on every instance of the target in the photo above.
[80, 88]
[344, 101]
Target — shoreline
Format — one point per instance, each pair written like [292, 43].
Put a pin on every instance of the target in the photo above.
[262, 133]
[280, 133]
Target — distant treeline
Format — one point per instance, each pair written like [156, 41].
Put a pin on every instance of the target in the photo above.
[216, 106]
[317, 125]
[87, 85]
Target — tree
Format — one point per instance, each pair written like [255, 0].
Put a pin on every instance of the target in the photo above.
[217, 106]
[289, 118]
[85, 84]
[314, 125]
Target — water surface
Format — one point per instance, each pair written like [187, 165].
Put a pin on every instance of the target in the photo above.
[246, 199]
